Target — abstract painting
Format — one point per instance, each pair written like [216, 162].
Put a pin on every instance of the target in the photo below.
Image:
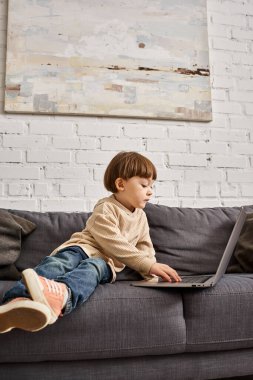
[128, 58]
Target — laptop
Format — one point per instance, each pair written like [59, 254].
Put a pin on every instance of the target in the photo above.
[209, 280]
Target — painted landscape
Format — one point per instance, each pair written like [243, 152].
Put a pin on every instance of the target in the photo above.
[131, 58]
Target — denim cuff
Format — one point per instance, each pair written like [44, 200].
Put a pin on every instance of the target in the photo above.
[68, 306]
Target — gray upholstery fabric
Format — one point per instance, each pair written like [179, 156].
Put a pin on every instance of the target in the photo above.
[130, 333]
[220, 318]
[190, 366]
[118, 320]
[191, 240]
[244, 249]
[53, 228]
[13, 230]
[4, 286]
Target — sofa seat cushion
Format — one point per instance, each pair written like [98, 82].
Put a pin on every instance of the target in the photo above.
[220, 318]
[118, 320]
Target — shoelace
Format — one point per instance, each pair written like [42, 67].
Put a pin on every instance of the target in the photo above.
[54, 287]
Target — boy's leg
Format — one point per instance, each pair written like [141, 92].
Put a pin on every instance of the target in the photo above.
[18, 311]
[62, 262]
[82, 281]
[17, 291]
[50, 267]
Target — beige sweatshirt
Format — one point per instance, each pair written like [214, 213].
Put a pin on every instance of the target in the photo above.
[118, 236]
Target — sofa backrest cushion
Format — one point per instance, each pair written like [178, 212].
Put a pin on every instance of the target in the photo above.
[244, 249]
[191, 240]
[53, 228]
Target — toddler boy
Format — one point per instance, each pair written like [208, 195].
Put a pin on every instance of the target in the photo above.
[116, 235]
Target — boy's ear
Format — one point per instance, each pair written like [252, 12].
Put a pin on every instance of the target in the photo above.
[119, 183]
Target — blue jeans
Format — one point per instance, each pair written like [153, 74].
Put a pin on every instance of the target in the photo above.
[74, 268]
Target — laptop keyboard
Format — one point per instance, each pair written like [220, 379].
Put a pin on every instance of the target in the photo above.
[192, 279]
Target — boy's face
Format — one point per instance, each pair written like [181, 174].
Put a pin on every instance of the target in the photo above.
[134, 192]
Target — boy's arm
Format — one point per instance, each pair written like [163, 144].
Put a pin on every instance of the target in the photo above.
[161, 270]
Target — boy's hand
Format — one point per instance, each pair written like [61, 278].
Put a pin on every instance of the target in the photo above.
[167, 273]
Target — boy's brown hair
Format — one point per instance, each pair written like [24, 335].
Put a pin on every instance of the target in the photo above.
[127, 165]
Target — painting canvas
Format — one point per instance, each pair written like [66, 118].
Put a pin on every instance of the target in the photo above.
[128, 58]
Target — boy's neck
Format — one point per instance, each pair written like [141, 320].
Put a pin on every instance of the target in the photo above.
[118, 199]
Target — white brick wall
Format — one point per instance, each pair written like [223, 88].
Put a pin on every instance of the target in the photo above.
[57, 163]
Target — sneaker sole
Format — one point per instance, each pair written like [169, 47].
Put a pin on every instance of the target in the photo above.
[35, 288]
[29, 316]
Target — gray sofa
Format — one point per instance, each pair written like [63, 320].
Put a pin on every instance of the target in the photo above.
[129, 333]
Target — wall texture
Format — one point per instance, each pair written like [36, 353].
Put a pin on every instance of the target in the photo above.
[56, 163]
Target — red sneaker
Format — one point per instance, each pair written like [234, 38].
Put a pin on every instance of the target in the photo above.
[25, 314]
[48, 292]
